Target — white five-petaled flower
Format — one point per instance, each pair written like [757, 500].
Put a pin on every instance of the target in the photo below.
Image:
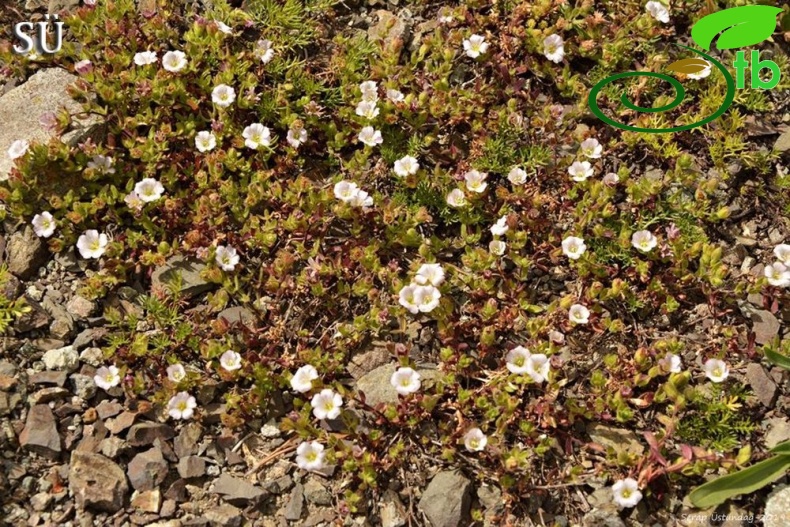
[426, 297]
[176, 372]
[554, 48]
[476, 181]
[230, 360]
[144, 58]
[310, 456]
[432, 274]
[370, 137]
[778, 274]
[580, 170]
[205, 141]
[538, 367]
[658, 11]
[407, 300]
[456, 198]
[149, 189]
[181, 406]
[625, 493]
[475, 46]
[91, 244]
[405, 380]
[370, 91]
[256, 135]
[44, 224]
[500, 227]
[107, 377]
[497, 247]
[367, 109]
[264, 50]
[475, 440]
[516, 360]
[326, 404]
[670, 363]
[18, 148]
[302, 381]
[573, 247]
[782, 253]
[102, 164]
[224, 27]
[223, 95]
[395, 96]
[296, 138]
[345, 190]
[579, 314]
[644, 241]
[361, 199]
[716, 370]
[517, 176]
[226, 257]
[174, 61]
[591, 148]
[701, 74]
[133, 201]
[611, 179]
[407, 165]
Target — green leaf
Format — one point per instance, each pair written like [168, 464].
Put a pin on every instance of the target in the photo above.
[777, 358]
[739, 27]
[744, 481]
[782, 448]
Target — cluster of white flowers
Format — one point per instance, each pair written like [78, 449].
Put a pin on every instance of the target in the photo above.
[422, 294]
[349, 192]
[497, 246]
[582, 170]
[368, 109]
[475, 46]
[521, 361]
[778, 273]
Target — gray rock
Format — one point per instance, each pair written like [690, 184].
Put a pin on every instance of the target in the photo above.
[107, 409]
[61, 359]
[45, 92]
[777, 507]
[91, 356]
[777, 431]
[143, 434]
[40, 434]
[26, 252]
[56, 6]
[237, 490]
[618, 439]
[112, 447]
[41, 501]
[189, 268]
[393, 513]
[783, 142]
[766, 326]
[36, 318]
[57, 378]
[47, 395]
[238, 315]
[186, 442]
[80, 307]
[147, 470]
[762, 384]
[191, 467]
[225, 515]
[97, 482]
[602, 518]
[392, 30]
[368, 361]
[447, 499]
[295, 506]
[83, 386]
[316, 493]
[88, 337]
[377, 388]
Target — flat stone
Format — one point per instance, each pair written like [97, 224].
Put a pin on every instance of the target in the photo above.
[766, 326]
[377, 388]
[147, 501]
[107, 409]
[762, 384]
[113, 446]
[619, 440]
[147, 470]
[238, 315]
[368, 361]
[602, 518]
[97, 482]
[235, 489]
[83, 385]
[447, 499]
[80, 307]
[777, 431]
[783, 142]
[316, 493]
[62, 359]
[143, 434]
[36, 318]
[121, 423]
[295, 506]
[186, 442]
[191, 467]
[25, 251]
[47, 395]
[777, 507]
[393, 513]
[190, 268]
[7, 383]
[225, 515]
[40, 434]
[57, 378]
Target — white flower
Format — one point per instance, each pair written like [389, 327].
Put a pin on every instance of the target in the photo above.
[432, 274]
[579, 314]
[626, 493]
[44, 224]
[395, 96]
[302, 381]
[18, 148]
[181, 406]
[670, 362]
[782, 253]
[573, 247]
[174, 61]
[361, 199]
[611, 179]
[176, 372]
[144, 58]
[102, 164]
[256, 135]
[230, 360]
[500, 227]
[264, 50]
[326, 404]
[223, 27]
[107, 377]
[92, 244]
[538, 367]
[407, 300]
[475, 440]
[310, 456]
[83, 66]
[370, 137]
[517, 176]
[475, 181]
[346, 190]
[406, 165]
[133, 201]
[702, 74]
[367, 109]
[644, 241]
[777, 274]
[658, 11]
[149, 189]
[405, 380]
[223, 95]
[456, 198]
[370, 91]
[226, 257]
[580, 170]
[516, 360]
[475, 46]
[205, 141]
[295, 139]
[553, 48]
[427, 298]
[591, 148]
[716, 370]
[497, 247]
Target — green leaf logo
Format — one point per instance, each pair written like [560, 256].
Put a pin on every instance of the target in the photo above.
[739, 27]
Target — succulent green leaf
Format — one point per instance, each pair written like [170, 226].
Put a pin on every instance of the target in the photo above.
[744, 481]
[777, 358]
[739, 27]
